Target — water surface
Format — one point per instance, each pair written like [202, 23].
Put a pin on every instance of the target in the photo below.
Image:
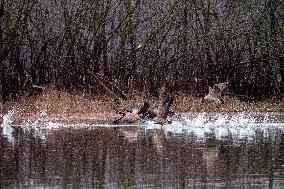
[178, 155]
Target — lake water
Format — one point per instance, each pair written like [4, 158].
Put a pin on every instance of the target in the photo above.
[196, 151]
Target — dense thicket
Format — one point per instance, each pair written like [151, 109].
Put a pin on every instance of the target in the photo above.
[106, 45]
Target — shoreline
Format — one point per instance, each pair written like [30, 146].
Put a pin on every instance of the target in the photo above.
[58, 106]
[96, 119]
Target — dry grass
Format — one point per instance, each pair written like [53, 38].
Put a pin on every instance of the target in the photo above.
[64, 107]
[193, 104]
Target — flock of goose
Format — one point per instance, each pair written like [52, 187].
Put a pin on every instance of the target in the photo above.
[160, 114]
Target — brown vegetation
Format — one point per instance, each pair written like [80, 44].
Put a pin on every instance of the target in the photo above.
[73, 108]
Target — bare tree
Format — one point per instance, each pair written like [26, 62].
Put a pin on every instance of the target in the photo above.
[131, 45]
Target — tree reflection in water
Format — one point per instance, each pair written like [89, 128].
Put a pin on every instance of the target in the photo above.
[132, 157]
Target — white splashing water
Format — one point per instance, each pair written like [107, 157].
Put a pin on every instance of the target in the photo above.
[238, 126]
[7, 125]
[200, 125]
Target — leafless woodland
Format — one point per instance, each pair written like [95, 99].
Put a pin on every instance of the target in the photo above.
[97, 46]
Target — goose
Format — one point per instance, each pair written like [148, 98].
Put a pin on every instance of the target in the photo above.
[214, 94]
[164, 110]
[146, 113]
[128, 116]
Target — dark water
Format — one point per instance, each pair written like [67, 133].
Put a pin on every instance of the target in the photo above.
[135, 158]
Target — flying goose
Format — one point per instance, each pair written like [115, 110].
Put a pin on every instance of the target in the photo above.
[214, 94]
